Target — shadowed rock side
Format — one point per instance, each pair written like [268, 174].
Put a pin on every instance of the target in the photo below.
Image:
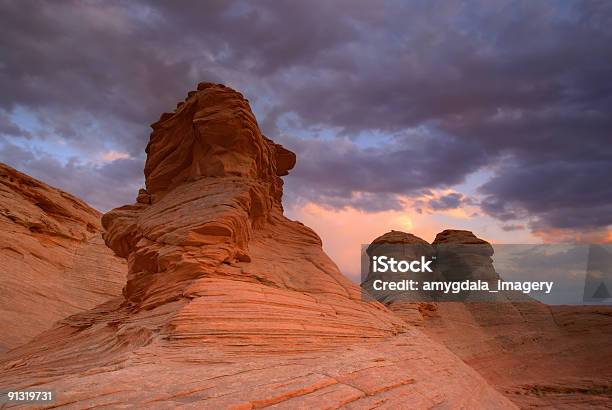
[228, 304]
[53, 261]
[537, 355]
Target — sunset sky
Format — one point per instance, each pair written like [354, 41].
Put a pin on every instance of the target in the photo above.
[419, 116]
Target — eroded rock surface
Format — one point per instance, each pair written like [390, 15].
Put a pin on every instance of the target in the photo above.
[228, 304]
[53, 261]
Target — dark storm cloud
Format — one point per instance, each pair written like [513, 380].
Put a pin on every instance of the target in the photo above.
[520, 87]
[95, 74]
[108, 184]
[9, 128]
[448, 201]
[510, 228]
[332, 171]
[559, 194]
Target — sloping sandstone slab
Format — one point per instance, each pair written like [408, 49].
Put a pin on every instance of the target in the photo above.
[53, 261]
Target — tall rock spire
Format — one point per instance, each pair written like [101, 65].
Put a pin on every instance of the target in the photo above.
[209, 232]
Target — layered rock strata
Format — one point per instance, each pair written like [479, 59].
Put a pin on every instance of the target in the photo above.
[53, 261]
[228, 304]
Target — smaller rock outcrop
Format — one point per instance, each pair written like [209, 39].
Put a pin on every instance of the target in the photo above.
[401, 246]
[537, 355]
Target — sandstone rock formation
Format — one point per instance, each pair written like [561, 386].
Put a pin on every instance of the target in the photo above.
[228, 304]
[53, 261]
[401, 246]
[537, 355]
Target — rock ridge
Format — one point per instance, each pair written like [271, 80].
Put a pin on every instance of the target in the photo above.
[53, 261]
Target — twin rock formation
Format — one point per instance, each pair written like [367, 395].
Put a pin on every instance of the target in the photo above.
[229, 304]
[538, 355]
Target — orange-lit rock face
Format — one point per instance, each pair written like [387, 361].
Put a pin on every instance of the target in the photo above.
[212, 134]
[213, 237]
[228, 304]
[53, 261]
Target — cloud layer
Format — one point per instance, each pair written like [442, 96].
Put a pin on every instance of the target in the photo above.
[379, 100]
